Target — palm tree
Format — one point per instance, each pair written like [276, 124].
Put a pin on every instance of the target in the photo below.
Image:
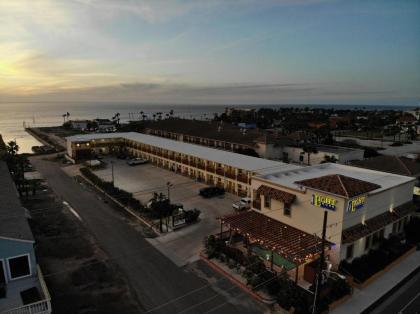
[309, 149]
[64, 117]
[12, 148]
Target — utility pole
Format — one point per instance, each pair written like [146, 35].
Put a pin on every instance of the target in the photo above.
[112, 172]
[321, 265]
[169, 185]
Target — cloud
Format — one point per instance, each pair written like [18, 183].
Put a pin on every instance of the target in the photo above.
[244, 93]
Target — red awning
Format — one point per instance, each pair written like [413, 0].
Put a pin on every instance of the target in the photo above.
[282, 196]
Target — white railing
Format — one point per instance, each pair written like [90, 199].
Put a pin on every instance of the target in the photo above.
[40, 307]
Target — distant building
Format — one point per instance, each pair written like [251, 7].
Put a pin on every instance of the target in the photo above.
[18, 268]
[266, 144]
[321, 154]
[79, 124]
[105, 125]
[393, 164]
[407, 118]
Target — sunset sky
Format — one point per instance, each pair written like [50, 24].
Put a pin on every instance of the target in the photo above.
[215, 51]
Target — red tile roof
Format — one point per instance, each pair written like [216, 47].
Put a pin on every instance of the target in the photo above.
[279, 195]
[340, 185]
[376, 223]
[291, 243]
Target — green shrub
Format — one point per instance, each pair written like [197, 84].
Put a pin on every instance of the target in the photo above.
[191, 216]
[120, 195]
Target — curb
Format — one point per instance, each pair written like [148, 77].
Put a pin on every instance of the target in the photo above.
[371, 307]
[221, 271]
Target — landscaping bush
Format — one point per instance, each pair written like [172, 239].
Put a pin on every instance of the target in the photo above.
[120, 195]
[396, 144]
[412, 230]
[191, 216]
[365, 266]
[291, 295]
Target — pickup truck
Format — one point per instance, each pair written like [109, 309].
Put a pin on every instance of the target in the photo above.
[243, 204]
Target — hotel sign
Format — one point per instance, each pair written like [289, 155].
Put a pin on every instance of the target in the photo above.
[324, 202]
[356, 204]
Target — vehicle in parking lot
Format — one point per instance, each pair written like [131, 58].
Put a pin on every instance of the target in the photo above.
[137, 161]
[243, 204]
[211, 191]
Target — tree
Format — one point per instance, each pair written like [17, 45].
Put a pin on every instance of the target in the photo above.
[309, 149]
[161, 207]
[370, 152]
[328, 158]
[12, 148]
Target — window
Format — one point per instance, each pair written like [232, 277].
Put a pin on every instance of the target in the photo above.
[267, 201]
[349, 251]
[287, 211]
[19, 266]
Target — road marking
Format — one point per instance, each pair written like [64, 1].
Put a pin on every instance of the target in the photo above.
[408, 304]
[72, 210]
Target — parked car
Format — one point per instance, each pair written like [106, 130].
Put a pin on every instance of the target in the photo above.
[243, 204]
[137, 161]
[211, 191]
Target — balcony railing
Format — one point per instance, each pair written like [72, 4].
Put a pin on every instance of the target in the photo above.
[243, 178]
[220, 171]
[40, 307]
[210, 168]
[231, 175]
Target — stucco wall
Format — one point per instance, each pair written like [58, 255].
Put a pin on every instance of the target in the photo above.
[379, 203]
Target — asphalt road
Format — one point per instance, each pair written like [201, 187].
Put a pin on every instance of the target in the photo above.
[160, 286]
[406, 300]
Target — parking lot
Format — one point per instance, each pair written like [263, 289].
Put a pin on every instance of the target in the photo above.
[181, 246]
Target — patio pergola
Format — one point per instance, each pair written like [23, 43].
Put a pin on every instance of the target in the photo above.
[291, 244]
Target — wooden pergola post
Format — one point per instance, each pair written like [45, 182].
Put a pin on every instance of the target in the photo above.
[272, 260]
[296, 274]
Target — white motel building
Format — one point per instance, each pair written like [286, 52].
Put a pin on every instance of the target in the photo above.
[288, 201]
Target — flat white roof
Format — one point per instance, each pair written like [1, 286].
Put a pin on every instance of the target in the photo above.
[259, 165]
[288, 178]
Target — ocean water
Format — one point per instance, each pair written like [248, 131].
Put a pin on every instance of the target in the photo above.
[15, 116]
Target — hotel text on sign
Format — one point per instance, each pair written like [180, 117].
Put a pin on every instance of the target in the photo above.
[356, 204]
[324, 202]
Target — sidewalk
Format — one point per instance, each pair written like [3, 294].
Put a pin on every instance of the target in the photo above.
[361, 299]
